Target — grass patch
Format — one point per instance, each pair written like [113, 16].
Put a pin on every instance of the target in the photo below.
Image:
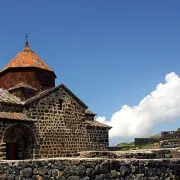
[124, 144]
[148, 146]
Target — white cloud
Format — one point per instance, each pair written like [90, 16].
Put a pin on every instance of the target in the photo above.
[161, 105]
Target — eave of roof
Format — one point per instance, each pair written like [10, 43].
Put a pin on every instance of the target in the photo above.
[90, 112]
[6, 97]
[15, 116]
[97, 124]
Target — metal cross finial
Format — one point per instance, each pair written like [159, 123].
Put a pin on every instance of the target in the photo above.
[26, 37]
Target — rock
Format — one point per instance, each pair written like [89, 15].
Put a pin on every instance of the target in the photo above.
[123, 170]
[134, 169]
[104, 167]
[68, 171]
[27, 172]
[11, 177]
[49, 172]
[75, 162]
[35, 171]
[100, 177]
[60, 167]
[46, 177]
[85, 178]
[177, 167]
[73, 178]
[113, 173]
[37, 177]
[149, 172]
[56, 173]
[2, 170]
[19, 177]
[115, 165]
[97, 168]
[42, 170]
[62, 178]
[90, 172]
[139, 177]
[79, 170]
[33, 165]
[141, 168]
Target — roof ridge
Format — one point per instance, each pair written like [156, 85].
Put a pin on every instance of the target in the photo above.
[46, 92]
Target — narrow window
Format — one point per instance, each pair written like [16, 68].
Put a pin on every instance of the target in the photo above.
[60, 104]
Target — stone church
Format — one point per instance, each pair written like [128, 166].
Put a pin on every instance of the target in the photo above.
[39, 119]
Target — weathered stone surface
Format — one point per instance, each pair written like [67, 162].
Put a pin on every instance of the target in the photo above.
[11, 177]
[38, 177]
[113, 173]
[42, 170]
[94, 169]
[27, 172]
[73, 178]
[56, 173]
[124, 170]
[80, 170]
[104, 167]
[90, 172]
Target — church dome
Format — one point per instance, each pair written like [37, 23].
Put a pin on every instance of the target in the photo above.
[27, 58]
[27, 67]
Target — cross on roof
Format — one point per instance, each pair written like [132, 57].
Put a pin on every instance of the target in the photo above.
[26, 37]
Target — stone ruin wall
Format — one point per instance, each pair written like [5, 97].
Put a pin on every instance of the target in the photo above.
[145, 141]
[91, 169]
[167, 139]
[170, 135]
[61, 132]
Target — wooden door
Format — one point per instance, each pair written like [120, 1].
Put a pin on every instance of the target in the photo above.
[11, 151]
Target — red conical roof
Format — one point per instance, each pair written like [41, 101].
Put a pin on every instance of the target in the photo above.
[27, 58]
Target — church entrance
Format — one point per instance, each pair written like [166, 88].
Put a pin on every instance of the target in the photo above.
[20, 140]
[11, 151]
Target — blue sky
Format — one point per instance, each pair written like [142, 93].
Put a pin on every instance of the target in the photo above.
[109, 53]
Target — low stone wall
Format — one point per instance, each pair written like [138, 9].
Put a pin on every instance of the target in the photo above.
[170, 135]
[90, 169]
[145, 141]
[171, 143]
[134, 154]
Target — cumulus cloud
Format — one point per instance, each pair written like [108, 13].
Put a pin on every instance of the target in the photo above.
[161, 105]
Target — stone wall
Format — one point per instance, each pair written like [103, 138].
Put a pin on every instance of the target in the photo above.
[98, 138]
[145, 141]
[170, 135]
[167, 139]
[90, 169]
[170, 143]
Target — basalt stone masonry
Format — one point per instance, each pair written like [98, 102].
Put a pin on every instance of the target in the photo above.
[41, 120]
[166, 139]
[91, 169]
